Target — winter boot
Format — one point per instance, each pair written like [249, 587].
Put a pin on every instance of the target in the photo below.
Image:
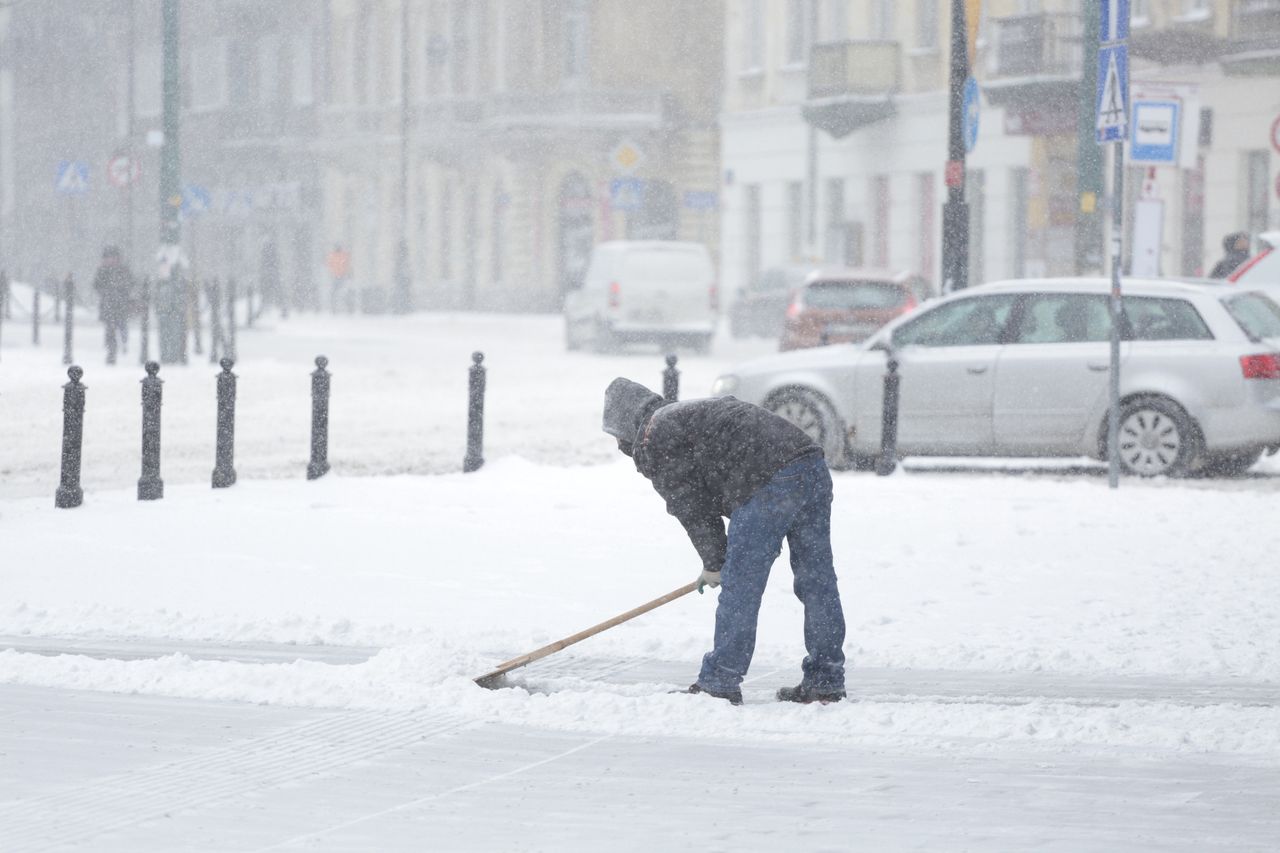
[734, 697]
[805, 694]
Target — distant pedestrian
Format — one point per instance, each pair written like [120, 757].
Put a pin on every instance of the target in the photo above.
[1236, 246]
[339, 264]
[721, 457]
[114, 286]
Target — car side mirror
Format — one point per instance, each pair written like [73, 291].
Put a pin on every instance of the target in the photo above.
[881, 346]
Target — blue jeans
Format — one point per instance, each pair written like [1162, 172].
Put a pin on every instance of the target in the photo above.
[795, 504]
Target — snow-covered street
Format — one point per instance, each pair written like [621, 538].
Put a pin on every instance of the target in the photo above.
[1035, 662]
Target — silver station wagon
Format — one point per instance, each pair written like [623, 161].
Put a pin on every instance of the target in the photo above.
[1021, 368]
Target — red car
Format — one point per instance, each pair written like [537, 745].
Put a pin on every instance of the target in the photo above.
[848, 305]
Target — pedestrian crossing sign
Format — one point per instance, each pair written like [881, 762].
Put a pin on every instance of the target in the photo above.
[72, 177]
[1113, 93]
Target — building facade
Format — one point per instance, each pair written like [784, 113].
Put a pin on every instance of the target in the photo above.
[834, 134]
[500, 139]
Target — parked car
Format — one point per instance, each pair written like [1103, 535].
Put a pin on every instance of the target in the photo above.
[1261, 271]
[760, 309]
[847, 305]
[646, 290]
[1020, 368]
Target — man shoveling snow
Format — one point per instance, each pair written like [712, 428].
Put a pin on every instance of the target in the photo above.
[723, 458]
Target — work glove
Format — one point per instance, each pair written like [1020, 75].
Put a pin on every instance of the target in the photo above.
[708, 578]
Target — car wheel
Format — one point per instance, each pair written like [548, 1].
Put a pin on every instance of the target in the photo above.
[815, 417]
[1230, 464]
[1156, 438]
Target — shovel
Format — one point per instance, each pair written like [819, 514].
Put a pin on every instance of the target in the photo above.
[494, 680]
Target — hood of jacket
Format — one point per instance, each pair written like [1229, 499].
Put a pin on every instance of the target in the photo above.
[627, 405]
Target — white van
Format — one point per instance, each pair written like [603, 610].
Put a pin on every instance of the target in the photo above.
[647, 290]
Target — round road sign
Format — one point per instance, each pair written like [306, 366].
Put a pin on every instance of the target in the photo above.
[123, 170]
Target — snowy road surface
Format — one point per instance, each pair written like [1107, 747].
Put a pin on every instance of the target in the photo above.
[1037, 662]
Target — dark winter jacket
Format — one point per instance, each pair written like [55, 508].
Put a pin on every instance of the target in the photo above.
[114, 285]
[1233, 259]
[705, 458]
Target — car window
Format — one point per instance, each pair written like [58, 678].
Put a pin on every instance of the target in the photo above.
[1062, 318]
[1152, 319]
[1258, 315]
[964, 322]
[854, 295]
[666, 265]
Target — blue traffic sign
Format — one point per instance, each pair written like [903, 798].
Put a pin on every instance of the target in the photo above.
[72, 177]
[1154, 139]
[971, 113]
[701, 199]
[626, 193]
[1115, 21]
[1113, 93]
[195, 200]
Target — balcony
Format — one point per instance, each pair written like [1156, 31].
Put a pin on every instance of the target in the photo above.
[1036, 62]
[1173, 37]
[579, 109]
[1253, 48]
[852, 84]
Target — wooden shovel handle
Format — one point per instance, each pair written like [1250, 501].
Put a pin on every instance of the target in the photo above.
[537, 654]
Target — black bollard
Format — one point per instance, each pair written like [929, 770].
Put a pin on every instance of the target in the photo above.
[150, 486]
[35, 315]
[69, 493]
[475, 415]
[671, 380]
[68, 329]
[888, 460]
[144, 333]
[224, 472]
[231, 319]
[217, 342]
[319, 465]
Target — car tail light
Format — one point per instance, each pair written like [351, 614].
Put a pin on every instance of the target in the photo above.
[795, 307]
[615, 294]
[1265, 366]
[715, 297]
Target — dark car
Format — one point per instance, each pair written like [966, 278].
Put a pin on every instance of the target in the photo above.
[761, 308]
[848, 305]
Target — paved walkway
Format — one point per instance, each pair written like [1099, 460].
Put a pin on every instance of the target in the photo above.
[105, 772]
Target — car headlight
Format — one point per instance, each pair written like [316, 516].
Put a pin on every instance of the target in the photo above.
[723, 385]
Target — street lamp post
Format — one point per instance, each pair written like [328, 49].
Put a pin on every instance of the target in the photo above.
[170, 295]
[955, 212]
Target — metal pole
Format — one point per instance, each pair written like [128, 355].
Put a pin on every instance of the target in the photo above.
[955, 213]
[1090, 165]
[1117, 226]
[68, 329]
[171, 300]
[130, 108]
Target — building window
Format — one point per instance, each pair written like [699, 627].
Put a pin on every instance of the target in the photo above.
[751, 210]
[927, 25]
[1257, 184]
[753, 35]
[833, 20]
[301, 82]
[575, 41]
[269, 70]
[460, 48]
[499, 242]
[795, 220]
[147, 83]
[883, 23]
[209, 75]
[797, 32]
[1140, 13]
[927, 219]
[1196, 10]
[360, 57]
[880, 201]
[500, 46]
[446, 235]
